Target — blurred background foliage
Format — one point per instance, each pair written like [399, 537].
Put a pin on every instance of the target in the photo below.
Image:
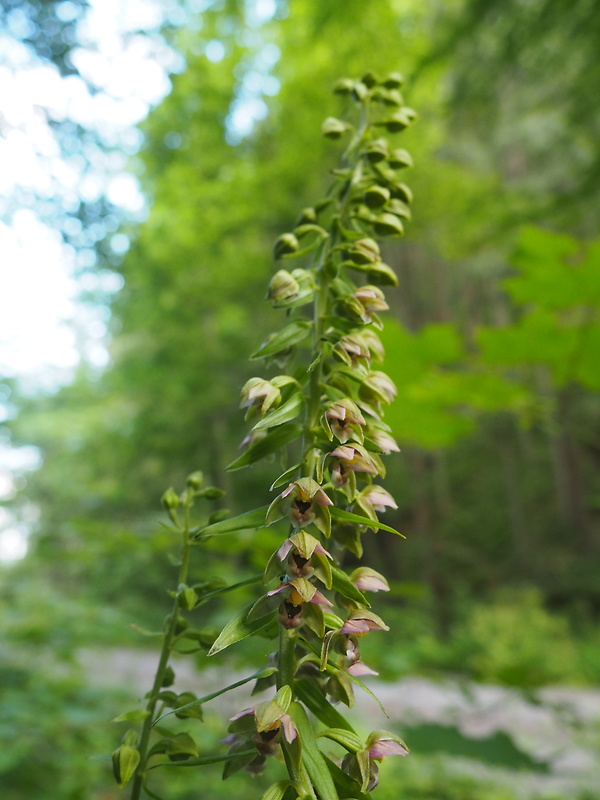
[493, 341]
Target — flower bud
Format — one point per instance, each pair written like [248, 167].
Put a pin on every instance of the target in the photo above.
[399, 120]
[393, 81]
[212, 493]
[307, 215]
[285, 244]
[343, 86]
[170, 499]
[125, 761]
[376, 196]
[388, 225]
[403, 192]
[377, 150]
[168, 676]
[399, 159]
[283, 286]
[333, 128]
[369, 79]
[195, 480]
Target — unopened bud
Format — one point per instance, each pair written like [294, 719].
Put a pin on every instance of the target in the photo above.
[333, 128]
[388, 225]
[343, 86]
[283, 286]
[369, 79]
[400, 158]
[212, 493]
[376, 196]
[377, 150]
[195, 480]
[170, 500]
[125, 761]
[393, 81]
[285, 244]
[399, 120]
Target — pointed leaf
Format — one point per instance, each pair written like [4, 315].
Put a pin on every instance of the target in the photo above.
[274, 440]
[348, 516]
[314, 699]
[137, 715]
[263, 673]
[348, 740]
[238, 628]
[284, 413]
[292, 334]
[243, 522]
[276, 790]
[341, 583]
[285, 477]
[312, 758]
[346, 785]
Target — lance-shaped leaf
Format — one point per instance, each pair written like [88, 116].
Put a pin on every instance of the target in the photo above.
[348, 516]
[263, 673]
[341, 583]
[292, 334]
[286, 412]
[243, 522]
[239, 628]
[204, 760]
[271, 442]
[346, 785]
[312, 758]
[348, 740]
[316, 702]
[276, 790]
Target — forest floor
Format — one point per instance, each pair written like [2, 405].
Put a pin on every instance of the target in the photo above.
[538, 742]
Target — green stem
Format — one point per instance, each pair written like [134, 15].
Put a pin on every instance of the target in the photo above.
[138, 780]
[287, 658]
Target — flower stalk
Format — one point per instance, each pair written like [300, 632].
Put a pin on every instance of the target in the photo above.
[324, 409]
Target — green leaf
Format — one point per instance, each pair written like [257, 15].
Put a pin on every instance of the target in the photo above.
[284, 413]
[271, 443]
[137, 715]
[312, 758]
[292, 334]
[347, 516]
[285, 477]
[341, 583]
[262, 673]
[347, 786]
[276, 790]
[314, 699]
[181, 745]
[348, 740]
[243, 522]
[238, 628]
[203, 760]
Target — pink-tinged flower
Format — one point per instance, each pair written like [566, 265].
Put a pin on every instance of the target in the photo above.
[300, 590]
[304, 502]
[304, 544]
[373, 342]
[372, 300]
[351, 349]
[368, 580]
[384, 441]
[360, 669]
[361, 622]
[343, 420]
[260, 394]
[381, 744]
[378, 497]
[378, 387]
[348, 459]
